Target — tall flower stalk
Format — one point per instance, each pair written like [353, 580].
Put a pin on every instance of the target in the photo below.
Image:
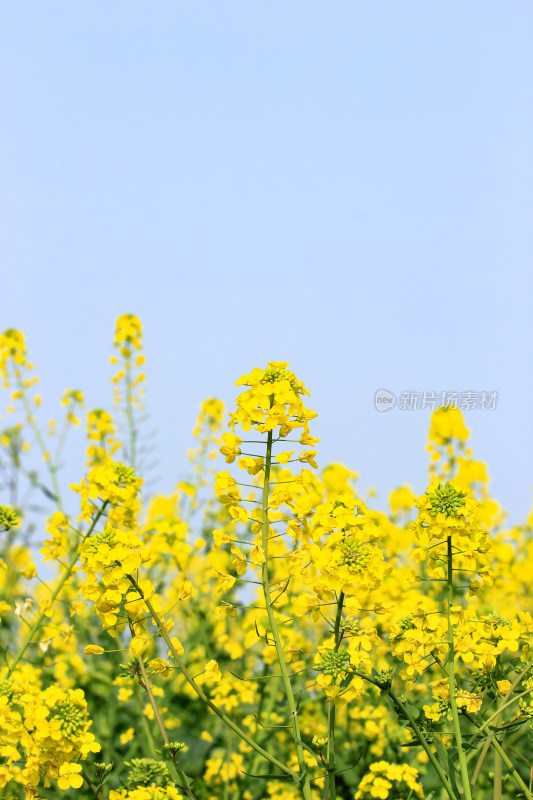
[447, 525]
[293, 716]
[451, 676]
[271, 404]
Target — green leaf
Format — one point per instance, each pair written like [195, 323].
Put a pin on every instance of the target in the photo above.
[269, 776]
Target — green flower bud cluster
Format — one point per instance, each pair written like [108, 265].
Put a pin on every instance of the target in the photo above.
[383, 676]
[494, 619]
[355, 557]
[8, 690]
[406, 624]
[103, 769]
[320, 741]
[446, 500]
[129, 669]
[106, 537]
[335, 663]
[8, 518]
[175, 747]
[145, 771]
[275, 374]
[349, 627]
[125, 475]
[71, 716]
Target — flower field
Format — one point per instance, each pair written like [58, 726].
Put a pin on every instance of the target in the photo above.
[263, 632]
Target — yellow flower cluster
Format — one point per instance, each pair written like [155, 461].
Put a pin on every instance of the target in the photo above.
[72, 400]
[334, 662]
[272, 404]
[345, 549]
[446, 442]
[45, 732]
[273, 400]
[449, 512]
[15, 370]
[384, 780]
[152, 792]
[469, 701]
[206, 431]
[101, 432]
[107, 559]
[447, 423]
[211, 416]
[58, 528]
[478, 640]
[417, 639]
[128, 334]
[114, 485]
[224, 771]
[12, 350]
[402, 500]
[128, 341]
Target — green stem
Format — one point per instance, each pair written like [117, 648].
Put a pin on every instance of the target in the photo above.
[179, 776]
[144, 721]
[61, 441]
[130, 417]
[330, 787]
[66, 575]
[497, 776]
[225, 795]
[91, 785]
[40, 441]
[265, 710]
[199, 691]
[497, 794]
[438, 769]
[495, 718]
[306, 786]
[451, 680]
[418, 733]
[510, 766]
[506, 702]
[480, 761]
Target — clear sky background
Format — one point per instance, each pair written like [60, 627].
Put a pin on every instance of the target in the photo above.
[347, 186]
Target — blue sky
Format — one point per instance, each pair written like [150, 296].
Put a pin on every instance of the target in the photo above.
[346, 186]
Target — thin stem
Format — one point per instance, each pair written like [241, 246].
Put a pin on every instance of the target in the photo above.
[506, 702]
[451, 679]
[182, 778]
[306, 787]
[61, 440]
[331, 787]
[418, 733]
[40, 441]
[440, 772]
[66, 575]
[91, 785]
[130, 416]
[510, 766]
[497, 776]
[201, 694]
[228, 762]
[495, 718]
[480, 761]
[265, 710]
[144, 721]
[151, 698]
